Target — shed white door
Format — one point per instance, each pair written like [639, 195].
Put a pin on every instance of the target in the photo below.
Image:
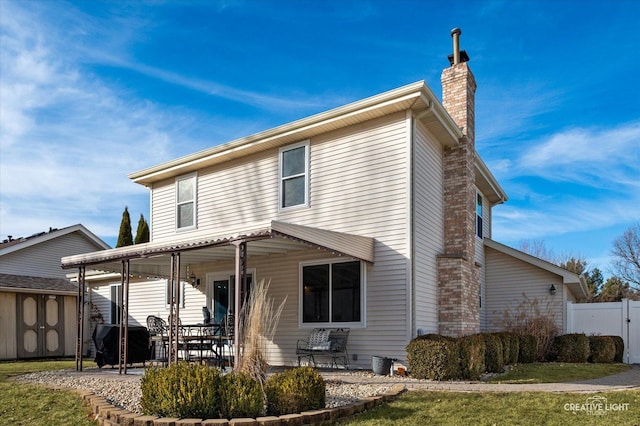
[40, 325]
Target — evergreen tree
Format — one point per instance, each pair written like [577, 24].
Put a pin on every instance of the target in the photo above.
[142, 233]
[595, 280]
[124, 236]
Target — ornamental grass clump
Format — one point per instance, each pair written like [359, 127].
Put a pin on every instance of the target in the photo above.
[181, 390]
[294, 391]
[259, 323]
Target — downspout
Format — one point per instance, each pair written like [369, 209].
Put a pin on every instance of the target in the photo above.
[412, 288]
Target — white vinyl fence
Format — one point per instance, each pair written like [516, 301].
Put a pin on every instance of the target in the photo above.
[609, 319]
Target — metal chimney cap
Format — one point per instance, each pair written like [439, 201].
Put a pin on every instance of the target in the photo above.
[455, 31]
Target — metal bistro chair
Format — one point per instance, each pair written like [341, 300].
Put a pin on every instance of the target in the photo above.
[229, 337]
[158, 337]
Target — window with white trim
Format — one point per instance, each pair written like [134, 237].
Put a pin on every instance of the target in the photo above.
[114, 295]
[332, 292]
[479, 215]
[186, 201]
[294, 175]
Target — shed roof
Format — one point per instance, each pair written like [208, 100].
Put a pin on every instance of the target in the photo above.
[28, 284]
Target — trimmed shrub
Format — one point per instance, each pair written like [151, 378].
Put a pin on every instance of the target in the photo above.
[181, 390]
[436, 338]
[619, 344]
[493, 360]
[602, 349]
[294, 391]
[505, 340]
[472, 354]
[527, 348]
[510, 347]
[436, 359]
[570, 348]
[240, 396]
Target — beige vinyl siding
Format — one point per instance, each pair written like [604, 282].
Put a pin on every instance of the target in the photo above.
[428, 226]
[8, 338]
[508, 279]
[480, 255]
[358, 185]
[382, 335]
[43, 259]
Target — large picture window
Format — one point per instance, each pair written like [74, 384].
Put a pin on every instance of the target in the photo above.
[186, 201]
[294, 175]
[332, 292]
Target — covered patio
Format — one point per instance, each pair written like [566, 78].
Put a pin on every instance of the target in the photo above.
[174, 260]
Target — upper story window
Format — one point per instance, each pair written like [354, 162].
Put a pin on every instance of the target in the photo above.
[294, 175]
[186, 201]
[479, 215]
[332, 293]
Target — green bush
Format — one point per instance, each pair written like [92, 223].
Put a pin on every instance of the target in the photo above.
[436, 338]
[602, 349]
[472, 354]
[493, 358]
[181, 390]
[240, 396]
[570, 348]
[527, 348]
[619, 343]
[436, 359]
[294, 391]
[510, 347]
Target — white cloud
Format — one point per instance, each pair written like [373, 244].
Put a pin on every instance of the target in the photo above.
[603, 158]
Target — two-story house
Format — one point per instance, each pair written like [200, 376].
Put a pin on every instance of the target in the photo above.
[374, 216]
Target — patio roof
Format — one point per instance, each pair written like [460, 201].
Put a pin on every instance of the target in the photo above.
[150, 259]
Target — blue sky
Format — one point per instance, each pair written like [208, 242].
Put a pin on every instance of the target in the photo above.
[91, 91]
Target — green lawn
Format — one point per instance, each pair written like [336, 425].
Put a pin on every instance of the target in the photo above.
[33, 405]
[556, 372]
[514, 408]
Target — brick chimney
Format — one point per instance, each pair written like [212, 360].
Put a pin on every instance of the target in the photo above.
[458, 275]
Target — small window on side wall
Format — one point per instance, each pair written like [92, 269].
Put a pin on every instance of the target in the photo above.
[294, 175]
[186, 201]
[479, 215]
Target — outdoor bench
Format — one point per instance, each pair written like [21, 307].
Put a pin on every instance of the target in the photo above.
[325, 342]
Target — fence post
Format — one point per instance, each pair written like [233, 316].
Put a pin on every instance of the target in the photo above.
[569, 317]
[624, 331]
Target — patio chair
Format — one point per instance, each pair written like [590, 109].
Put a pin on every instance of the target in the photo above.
[158, 337]
[229, 337]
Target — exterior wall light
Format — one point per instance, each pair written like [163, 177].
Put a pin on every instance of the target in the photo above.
[552, 290]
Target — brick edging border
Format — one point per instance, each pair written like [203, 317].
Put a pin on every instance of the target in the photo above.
[107, 414]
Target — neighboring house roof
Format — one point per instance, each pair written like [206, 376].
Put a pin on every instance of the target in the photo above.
[576, 283]
[24, 284]
[276, 237]
[22, 243]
